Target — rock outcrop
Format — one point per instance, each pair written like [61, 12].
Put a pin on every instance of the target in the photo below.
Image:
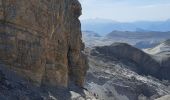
[161, 53]
[155, 65]
[139, 61]
[41, 41]
[165, 68]
[116, 73]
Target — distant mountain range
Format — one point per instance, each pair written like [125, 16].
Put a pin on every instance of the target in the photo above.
[105, 26]
[138, 34]
[140, 40]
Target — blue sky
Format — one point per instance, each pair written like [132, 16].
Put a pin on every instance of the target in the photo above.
[126, 10]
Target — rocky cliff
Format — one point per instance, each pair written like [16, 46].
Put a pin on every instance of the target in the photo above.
[123, 72]
[136, 59]
[41, 41]
[161, 53]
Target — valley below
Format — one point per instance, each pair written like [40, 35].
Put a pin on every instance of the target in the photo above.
[45, 55]
[119, 71]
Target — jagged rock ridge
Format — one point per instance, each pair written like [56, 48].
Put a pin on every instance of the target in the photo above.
[135, 59]
[123, 72]
[41, 40]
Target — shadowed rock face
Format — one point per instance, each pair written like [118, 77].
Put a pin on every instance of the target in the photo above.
[142, 62]
[165, 69]
[120, 72]
[41, 40]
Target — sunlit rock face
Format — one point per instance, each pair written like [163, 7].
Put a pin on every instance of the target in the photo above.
[41, 40]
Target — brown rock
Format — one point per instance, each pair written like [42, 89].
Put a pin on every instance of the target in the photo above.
[41, 40]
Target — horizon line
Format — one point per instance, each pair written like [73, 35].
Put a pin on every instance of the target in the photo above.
[118, 21]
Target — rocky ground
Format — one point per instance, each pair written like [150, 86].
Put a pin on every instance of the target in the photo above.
[42, 58]
[112, 77]
[15, 87]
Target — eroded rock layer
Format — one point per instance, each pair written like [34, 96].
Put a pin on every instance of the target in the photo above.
[41, 40]
[136, 59]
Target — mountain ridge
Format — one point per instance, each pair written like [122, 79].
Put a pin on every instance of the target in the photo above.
[104, 27]
[122, 72]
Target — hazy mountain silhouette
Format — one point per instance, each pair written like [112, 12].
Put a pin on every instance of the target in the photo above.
[104, 26]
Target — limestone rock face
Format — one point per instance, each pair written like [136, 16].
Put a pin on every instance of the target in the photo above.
[41, 40]
[141, 62]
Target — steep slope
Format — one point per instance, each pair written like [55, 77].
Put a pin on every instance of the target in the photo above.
[41, 41]
[123, 72]
[142, 62]
[114, 74]
[161, 53]
[137, 60]
[162, 48]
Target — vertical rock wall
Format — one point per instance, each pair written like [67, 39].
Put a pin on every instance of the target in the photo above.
[41, 40]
